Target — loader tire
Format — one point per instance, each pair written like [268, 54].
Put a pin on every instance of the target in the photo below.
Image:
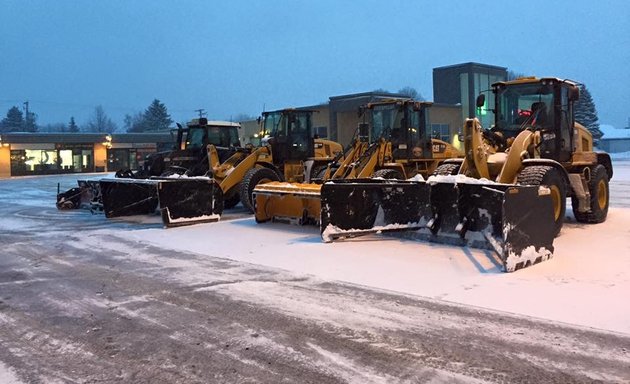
[252, 178]
[388, 174]
[598, 188]
[552, 178]
[318, 172]
[446, 170]
[232, 201]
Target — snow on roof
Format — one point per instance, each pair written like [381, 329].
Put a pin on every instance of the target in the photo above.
[611, 132]
[220, 123]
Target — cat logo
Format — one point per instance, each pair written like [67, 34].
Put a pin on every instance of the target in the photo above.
[439, 148]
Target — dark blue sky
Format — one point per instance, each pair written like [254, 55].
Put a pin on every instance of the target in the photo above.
[233, 57]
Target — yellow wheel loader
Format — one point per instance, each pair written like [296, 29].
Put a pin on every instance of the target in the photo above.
[183, 199]
[400, 147]
[187, 157]
[509, 192]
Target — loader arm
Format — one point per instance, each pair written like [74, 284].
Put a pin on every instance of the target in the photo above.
[521, 148]
[235, 176]
[221, 170]
[213, 157]
[350, 158]
[476, 156]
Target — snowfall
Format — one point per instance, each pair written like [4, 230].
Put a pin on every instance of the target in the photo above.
[586, 283]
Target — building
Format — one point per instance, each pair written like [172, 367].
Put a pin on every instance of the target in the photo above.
[49, 153]
[462, 83]
[455, 89]
[614, 139]
[339, 118]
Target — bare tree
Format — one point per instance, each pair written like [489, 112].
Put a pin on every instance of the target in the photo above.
[100, 122]
[411, 92]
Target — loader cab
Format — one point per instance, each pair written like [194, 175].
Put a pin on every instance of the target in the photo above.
[544, 105]
[290, 134]
[199, 133]
[403, 123]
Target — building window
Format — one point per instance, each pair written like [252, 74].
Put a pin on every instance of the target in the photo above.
[441, 131]
[321, 132]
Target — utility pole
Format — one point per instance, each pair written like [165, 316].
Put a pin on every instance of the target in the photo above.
[25, 123]
[202, 112]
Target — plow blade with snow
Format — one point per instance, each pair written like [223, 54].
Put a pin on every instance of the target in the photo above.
[86, 195]
[182, 201]
[514, 221]
[290, 202]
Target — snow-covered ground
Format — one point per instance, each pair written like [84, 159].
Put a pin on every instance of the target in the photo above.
[585, 283]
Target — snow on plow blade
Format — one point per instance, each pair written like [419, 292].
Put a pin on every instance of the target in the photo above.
[291, 202]
[86, 195]
[182, 201]
[514, 221]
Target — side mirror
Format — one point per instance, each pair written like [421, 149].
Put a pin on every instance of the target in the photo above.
[481, 100]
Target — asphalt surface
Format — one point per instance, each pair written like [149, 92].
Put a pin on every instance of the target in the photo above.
[71, 313]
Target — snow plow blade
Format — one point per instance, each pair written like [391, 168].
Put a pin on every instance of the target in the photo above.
[182, 201]
[290, 202]
[86, 195]
[362, 206]
[514, 221]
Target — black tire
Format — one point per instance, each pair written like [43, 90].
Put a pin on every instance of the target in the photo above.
[446, 169]
[598, 188]
[318, 171]
[232, 201]
[553, 179]
[388, 173]
[252, 178]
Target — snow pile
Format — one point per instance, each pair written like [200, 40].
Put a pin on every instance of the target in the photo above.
[620, 155]
[527, 257]
[457, 179]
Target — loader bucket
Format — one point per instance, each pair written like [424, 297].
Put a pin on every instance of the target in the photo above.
[86, 195]
[515, 221]
[128, 197]
[182, 201]
[189, 201]
[362, 206]
[289, 202]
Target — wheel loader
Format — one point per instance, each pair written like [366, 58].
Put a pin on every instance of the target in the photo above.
[394, 145]
[507, 194]
[187, 157]
[290, 152]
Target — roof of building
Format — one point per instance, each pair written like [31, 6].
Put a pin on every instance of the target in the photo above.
[471, 64]
[611, 132]
[368, 94]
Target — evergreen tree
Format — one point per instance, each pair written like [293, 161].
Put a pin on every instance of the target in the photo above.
[72, 126]
[100, 122]
[156, 117]
[586, 114]
[14, 122]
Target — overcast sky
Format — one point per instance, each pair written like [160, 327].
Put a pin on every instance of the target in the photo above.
[237, 56]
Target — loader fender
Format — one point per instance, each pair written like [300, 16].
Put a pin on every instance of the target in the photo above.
[549, 163]
[603, 158]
